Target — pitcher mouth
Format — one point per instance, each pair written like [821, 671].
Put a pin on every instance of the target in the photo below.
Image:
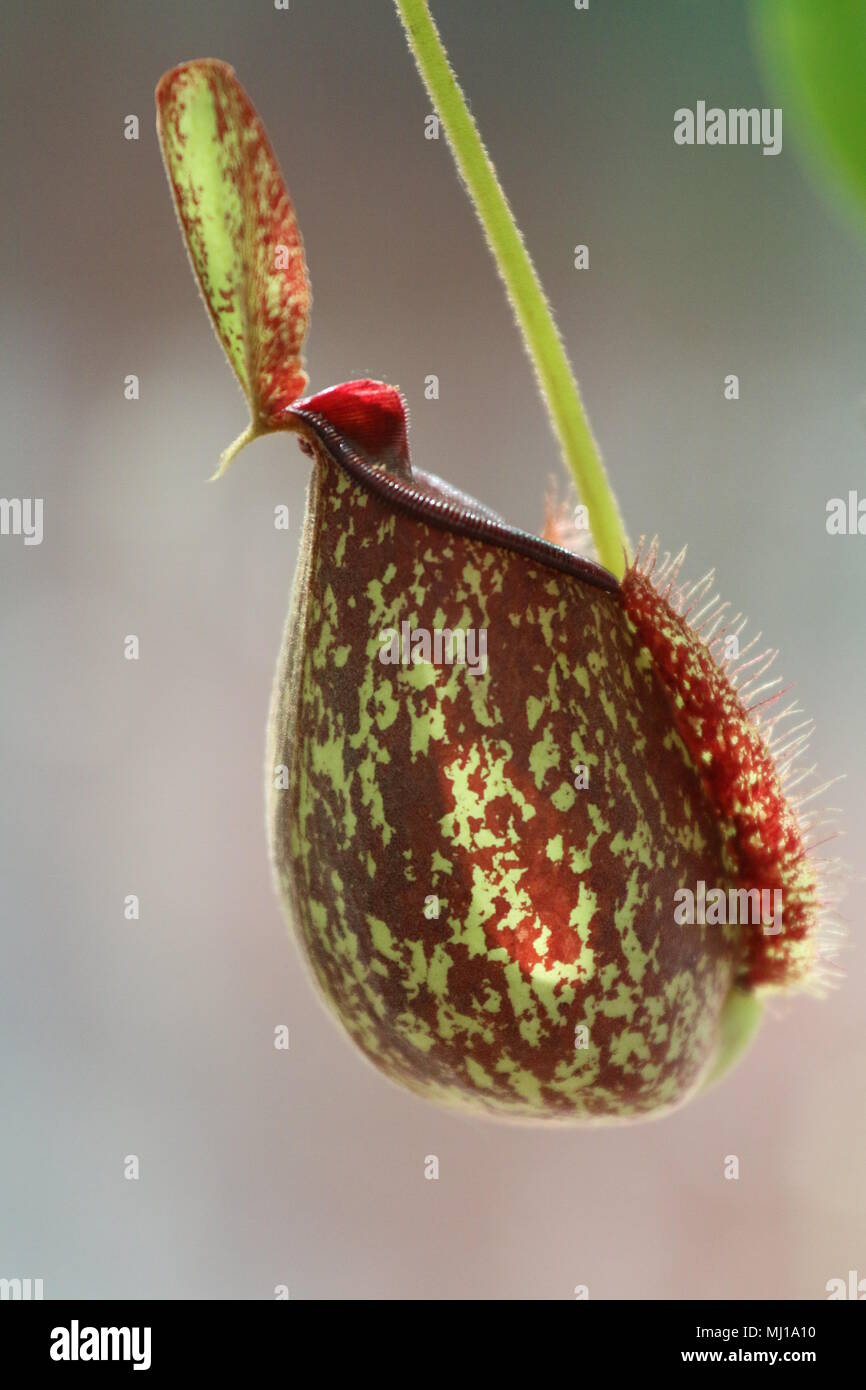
[436, 502]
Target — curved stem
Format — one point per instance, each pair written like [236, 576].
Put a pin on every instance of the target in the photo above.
[252, 431]
[532, 311]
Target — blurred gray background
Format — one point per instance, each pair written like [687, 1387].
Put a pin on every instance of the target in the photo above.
[155, 1037]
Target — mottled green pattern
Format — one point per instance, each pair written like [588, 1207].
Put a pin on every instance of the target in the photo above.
[405, 782]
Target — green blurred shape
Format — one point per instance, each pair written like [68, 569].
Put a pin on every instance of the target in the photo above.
[738, 1025]
[814, 53]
